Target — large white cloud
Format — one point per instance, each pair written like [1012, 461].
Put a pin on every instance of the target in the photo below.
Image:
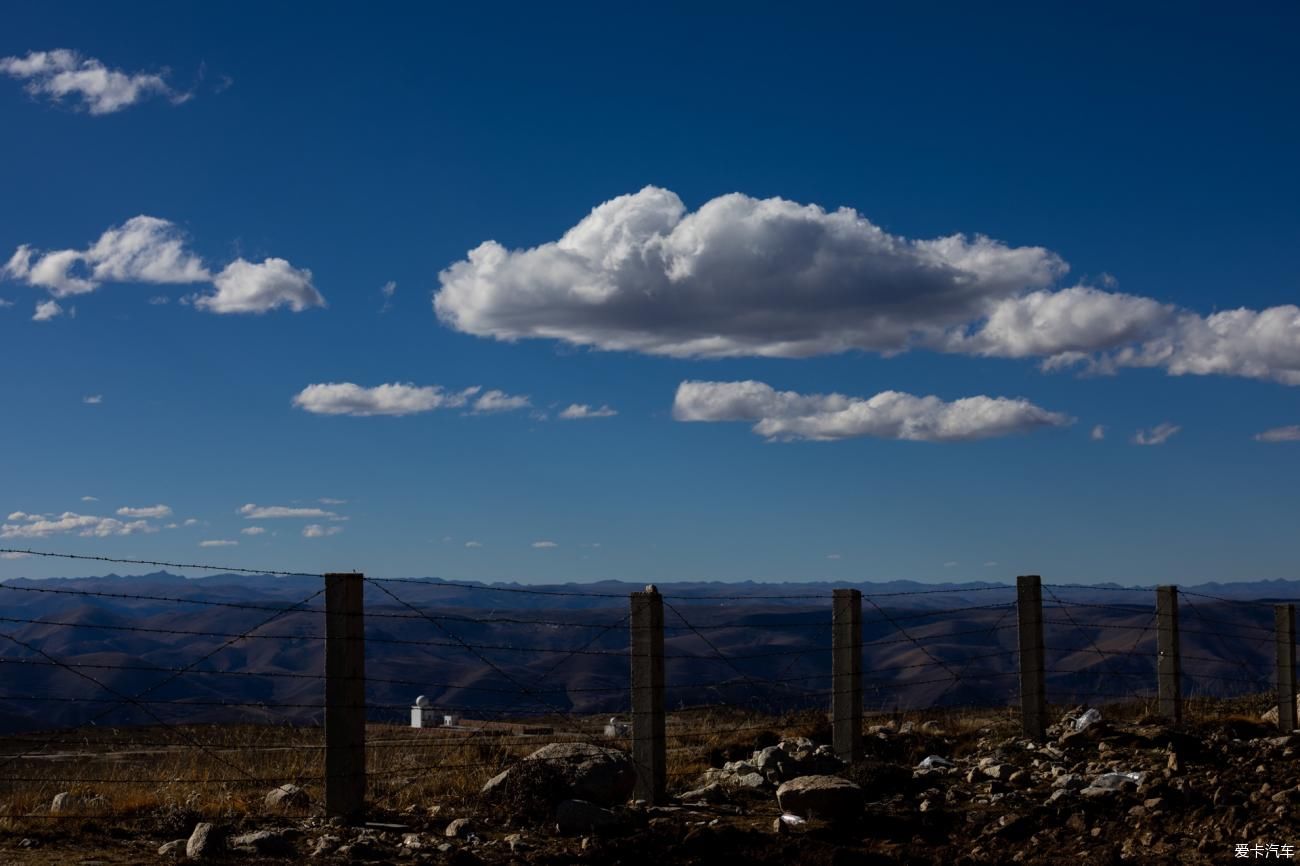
[248, 287]
[95, 87]
[787, 415]
[1258, 344]
[740, 276]
[769, 277]
[147, 249]
[24, 525]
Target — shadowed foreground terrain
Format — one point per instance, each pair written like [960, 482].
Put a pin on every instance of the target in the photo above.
[1226, 778]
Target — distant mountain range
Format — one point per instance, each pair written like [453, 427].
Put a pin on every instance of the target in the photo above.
[513, 650]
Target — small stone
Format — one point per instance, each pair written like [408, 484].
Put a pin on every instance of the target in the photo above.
[458, 829]
[174, 848]
[517, 843]
[326, 845]
[1000, 772]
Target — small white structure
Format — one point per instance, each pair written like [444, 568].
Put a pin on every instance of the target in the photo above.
[450, 720]
[422, 714]
[615, 728]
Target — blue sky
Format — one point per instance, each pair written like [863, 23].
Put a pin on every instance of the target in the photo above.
[295, 165]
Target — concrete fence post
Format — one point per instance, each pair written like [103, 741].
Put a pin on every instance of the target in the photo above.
[1169, 668]
[846, 674]
[649, 752]
[1284, 620]
[1033, 685]
[345, 696]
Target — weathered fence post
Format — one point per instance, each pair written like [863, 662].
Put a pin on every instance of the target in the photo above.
[846, 674]
[649, 752]
[1033, 686]
[1284, 619]
[345, 696]
[1169, 670]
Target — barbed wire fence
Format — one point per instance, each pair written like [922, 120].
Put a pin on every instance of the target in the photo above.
[305, 690]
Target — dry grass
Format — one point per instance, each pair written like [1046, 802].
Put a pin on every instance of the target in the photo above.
[413, 769]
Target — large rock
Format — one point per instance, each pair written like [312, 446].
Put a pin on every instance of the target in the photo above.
[1272, 714]
[828, 798]
[593, 773]
[205, 842]
[579, 816]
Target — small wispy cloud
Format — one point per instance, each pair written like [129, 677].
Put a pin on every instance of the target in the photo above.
[1157, 435]
[1098, 433]
[93, 399]
[579, 411]
[280, 512]
[93, 87]
[253, 530]
[46, 311]
[544, 545]
[149, 511]
[218, 542]
[315, 530]
[1280, 434]
[473, 544]
[833, 556]
[388, 289]
[90, 499]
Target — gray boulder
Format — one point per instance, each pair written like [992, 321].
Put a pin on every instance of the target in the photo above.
[828, 798]
[593, 773]
[288, 797]
[269, 843]
[206, 841]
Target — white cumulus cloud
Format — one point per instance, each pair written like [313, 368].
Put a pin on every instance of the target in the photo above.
[148, 249]
[152, 511]
[1157, 435]
[47, 310]
[346, 398]
[742, 276]
[578, 411]
[1290, 433]
[315, 530]
[500, 401]
[93, 399]
[787, 415]
[23, 525]
[94, 87]
[1098, 433]
[248, 287]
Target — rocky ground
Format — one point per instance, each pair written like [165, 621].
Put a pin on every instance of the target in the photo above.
[928, 792]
